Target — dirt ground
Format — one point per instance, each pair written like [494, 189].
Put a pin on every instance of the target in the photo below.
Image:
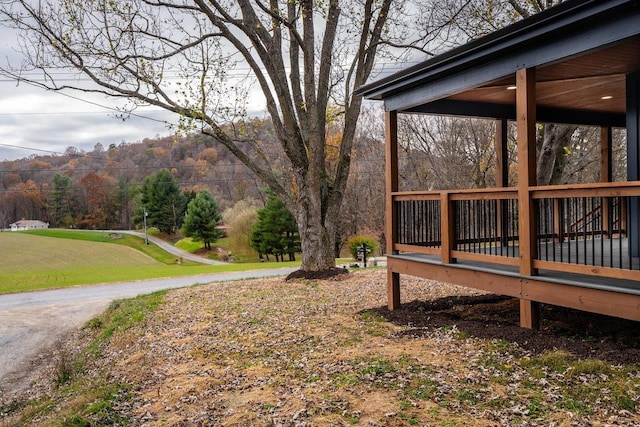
[303, 353]
[490, 316]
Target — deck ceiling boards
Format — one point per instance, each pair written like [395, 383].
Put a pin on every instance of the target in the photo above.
[584, 94]
[577, 83]
[582, 51]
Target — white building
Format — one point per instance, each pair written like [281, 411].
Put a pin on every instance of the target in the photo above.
[29, 224]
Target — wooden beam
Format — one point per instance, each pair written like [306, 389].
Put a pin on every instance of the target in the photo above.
[558, 221]
[608, 302]
[447, 227]
[492, 110]
[500, 284]
[526, 123]
[502, 153]
[393, 290]
[391, 220]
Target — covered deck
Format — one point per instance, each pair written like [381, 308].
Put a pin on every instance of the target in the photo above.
[576, 245]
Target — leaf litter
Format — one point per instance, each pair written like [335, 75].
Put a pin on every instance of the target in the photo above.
[271, 352]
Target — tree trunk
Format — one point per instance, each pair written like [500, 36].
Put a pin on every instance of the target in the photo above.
[550, 147]
[317, 254]
[316, 239]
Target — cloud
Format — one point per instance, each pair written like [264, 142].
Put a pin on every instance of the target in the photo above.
[41, 120]
[33, 119]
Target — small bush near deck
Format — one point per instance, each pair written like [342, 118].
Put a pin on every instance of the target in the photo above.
[358, 240]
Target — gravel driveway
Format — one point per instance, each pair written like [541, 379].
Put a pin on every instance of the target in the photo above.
[31, 323]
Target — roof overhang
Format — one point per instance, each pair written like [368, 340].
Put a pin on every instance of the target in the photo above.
[582, 52]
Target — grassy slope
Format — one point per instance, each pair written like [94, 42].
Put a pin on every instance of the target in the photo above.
[31, 262]
[105, 237]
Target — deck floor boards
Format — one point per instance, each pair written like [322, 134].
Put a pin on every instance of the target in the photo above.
[597, 252]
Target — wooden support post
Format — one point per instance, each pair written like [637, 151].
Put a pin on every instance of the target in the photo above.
[529, 314]
[391, 220]
[447, 227]
[631, 212]
[502, 177]
[558, 221]
[606, 175]
[526, 122]
[393, 290]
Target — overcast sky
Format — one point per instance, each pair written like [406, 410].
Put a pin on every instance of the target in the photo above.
[35, 121]
[32, 119]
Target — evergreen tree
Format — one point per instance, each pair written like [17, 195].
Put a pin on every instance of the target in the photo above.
[275, 232]
[61, 200]
[201, 220]
[163, 202]
[125, 195]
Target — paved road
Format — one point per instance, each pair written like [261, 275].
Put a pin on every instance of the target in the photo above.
[31, 323]
[169, 247]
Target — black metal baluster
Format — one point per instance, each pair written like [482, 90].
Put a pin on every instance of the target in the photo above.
[554, 226]
[603, 202]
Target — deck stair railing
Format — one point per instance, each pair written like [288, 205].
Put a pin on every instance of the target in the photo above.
[593, 220]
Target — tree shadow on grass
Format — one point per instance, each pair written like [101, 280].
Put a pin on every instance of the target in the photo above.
[584, 335]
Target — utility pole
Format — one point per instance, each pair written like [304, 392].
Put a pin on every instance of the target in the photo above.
[146, 238]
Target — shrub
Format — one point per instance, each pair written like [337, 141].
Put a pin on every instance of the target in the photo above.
[358, 240]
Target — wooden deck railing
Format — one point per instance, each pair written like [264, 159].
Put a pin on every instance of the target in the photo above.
[579, 228]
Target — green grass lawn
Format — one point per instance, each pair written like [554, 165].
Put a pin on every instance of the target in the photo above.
[133, 242]
[60, 258]
[189, 245]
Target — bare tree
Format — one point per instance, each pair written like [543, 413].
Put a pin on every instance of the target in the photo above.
[199, 58]
[364, 214]
[553, 141]
[194, 58]
[447, 152]
[465, 20]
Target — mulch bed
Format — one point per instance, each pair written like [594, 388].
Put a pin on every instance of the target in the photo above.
[585, 335]
[327, 274]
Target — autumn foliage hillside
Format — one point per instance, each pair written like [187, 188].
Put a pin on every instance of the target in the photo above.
[103, 182]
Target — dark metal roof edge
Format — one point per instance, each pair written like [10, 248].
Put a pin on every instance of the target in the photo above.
[568, 12]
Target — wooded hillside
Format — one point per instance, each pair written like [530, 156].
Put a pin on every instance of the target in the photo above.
[104, 181]
[437, 153]
[98, 189]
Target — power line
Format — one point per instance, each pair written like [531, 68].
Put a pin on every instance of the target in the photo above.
[86, 101]
[53, 113]
[237, 72]
[30, 148]
[111, 108]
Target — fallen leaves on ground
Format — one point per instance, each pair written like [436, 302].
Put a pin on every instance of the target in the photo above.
[271, 352]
